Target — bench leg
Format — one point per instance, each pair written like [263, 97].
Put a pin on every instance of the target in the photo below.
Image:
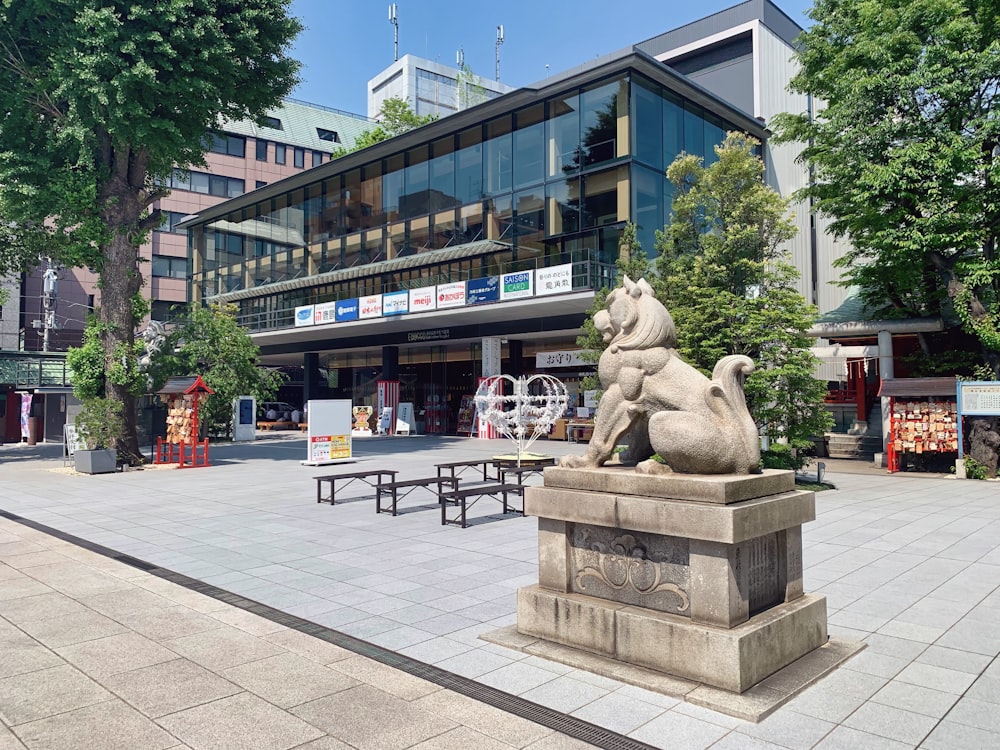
[463, 512]
[395, 499]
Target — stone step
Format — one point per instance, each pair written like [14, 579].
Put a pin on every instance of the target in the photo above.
[839, 445]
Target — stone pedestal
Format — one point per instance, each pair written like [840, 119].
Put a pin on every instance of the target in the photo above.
[696, 576]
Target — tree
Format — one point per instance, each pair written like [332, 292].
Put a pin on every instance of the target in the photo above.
[101, 100]
[470, 90]
[395, 117]
[724, 278]
[209, 342]
[904, 153]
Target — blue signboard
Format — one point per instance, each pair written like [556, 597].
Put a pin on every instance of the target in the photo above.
[347, 309]
[478, 291]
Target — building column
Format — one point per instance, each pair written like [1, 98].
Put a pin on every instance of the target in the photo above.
[491, 370]
[886, 371]
[310, 377]
[388, 386]
[515, 358]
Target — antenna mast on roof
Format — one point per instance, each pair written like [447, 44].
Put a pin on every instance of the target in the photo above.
[460, 58]
[499, 42]
[394, 20]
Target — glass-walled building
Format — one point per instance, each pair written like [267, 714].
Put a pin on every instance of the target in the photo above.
[498, 222]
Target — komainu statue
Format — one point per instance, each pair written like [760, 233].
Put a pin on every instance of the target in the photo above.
[657, 403]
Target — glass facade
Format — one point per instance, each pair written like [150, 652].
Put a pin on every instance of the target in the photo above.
[553, 181]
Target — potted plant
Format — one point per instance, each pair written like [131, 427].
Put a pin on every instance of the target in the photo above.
[99, 424]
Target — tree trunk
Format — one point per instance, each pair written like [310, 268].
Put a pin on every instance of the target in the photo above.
[120, 282]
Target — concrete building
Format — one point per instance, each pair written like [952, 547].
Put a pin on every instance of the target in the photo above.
[430, 87]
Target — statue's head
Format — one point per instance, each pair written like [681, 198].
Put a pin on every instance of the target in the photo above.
[634, 319]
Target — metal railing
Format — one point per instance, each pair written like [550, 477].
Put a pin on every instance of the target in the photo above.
[587, 274]
[34, 369]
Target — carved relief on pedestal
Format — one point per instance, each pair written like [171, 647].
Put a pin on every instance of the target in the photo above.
[631, 568]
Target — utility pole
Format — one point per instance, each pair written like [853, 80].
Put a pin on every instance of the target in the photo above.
[50, 299]
[394, 20]
[499, 42]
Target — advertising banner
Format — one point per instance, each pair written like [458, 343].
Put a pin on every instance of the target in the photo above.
[516, 285]
[370, 306]
[325, 312]
[554, 279]
[451, 295]
[395, 303]
[479, 291]
[347, 309]
[329, 436]
[25, 413]
[424, 298]
[304, 315]
[559, 359]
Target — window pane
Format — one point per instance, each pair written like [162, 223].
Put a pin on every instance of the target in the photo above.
[236, 188]
[600, 201]
[372, 213]
[647, 123]
[261, 150]
[599, 122]
[529, 215]
[563, 206]
[392, 186]
[714, 136]
[563, 136]
[673, 129]
[317, 158]
[442, 174]
[279, 153]
[694, 130]
[647, 198]
[499, 169]
[236, 146]
[299, 158]
[529, 149]
[469, 167]
[416, 177]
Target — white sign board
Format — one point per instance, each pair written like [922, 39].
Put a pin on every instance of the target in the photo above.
[395, 303]
[544, 360]
[304, 315]
[424, 298]
[384, 421]
[72, 441]
[979, 398]
[325, 312]
[244, 419]
[329, 432]
[451, 295]
[516, 285]
[554, 279]
[406, 418]
[370, 306]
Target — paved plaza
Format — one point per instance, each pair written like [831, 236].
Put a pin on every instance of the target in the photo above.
[99, 654]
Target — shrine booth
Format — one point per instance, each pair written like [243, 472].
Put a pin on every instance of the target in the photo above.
[183, 397]
[923, 423]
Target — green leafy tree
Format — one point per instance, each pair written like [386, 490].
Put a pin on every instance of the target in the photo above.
[631, 262]
[904, 152]
[727, 284]
[395, 117]
[100, 101]
[208, 341]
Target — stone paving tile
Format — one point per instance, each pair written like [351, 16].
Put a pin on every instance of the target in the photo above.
[288, 680]
[370, 719]
[75, 580]
[46, 692]
[985, 689]
[893, 723]
[393, 681]
[685, 732]
[20, 654]
[67, 629]
[172, 622]
[517, 678]
[976, 713]
[482, 718]
[129, 602]
[111, 725]
[31, 559]
[313, 648]
[240, 722]
[951, 735]
[475, 663]
[169, 686]
[845, 738]
[936, 678]
[112, 654]
[736, 741]
[617, 712]
[789, 730]
[8, 741]
[19, 588]
[222, 648]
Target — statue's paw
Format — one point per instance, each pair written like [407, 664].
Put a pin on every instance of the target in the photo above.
[574, 462]
[652, 467]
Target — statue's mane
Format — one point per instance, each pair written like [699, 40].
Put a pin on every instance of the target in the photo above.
[647, 323]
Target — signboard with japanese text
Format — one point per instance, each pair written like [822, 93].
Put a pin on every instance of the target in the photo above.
[370, 306]
[395, 303]
[329, 436]
[304, 315]
[516, 285]
[479, 291]
[424, 298]
[325, 312]
[554, 279]
[347, 309]
[451, 295]
[979, 398]
[544, 360]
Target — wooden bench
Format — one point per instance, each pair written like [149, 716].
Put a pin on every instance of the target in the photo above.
[276, 425]
[359, 476]
[520, 472]
[461, 498]
[409, 485]
[457, 467]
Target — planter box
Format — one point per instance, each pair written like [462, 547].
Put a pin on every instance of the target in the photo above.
[95, 462]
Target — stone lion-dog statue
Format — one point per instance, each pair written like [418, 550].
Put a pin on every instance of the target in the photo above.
[657, 403]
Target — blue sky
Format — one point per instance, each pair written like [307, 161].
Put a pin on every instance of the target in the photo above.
[346, 43]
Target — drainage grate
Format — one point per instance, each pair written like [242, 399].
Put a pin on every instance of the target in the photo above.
[547, 717]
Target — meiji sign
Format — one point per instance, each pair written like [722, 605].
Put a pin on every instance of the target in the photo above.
[395, 303]
[304, 315]
[370, 307]
[451, 295]
[554, 279]
[515, 285]
[424, 298]
[325, 312]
